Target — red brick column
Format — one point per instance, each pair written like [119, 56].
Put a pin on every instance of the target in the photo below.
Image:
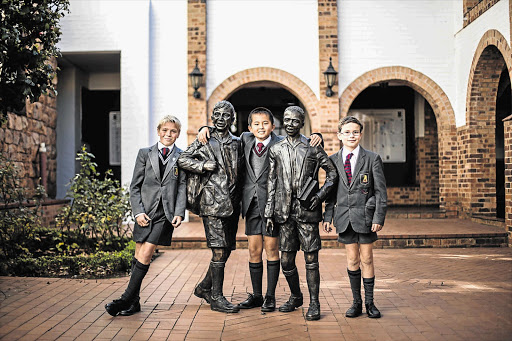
[197, 115]
[327, 121]
[508, 177]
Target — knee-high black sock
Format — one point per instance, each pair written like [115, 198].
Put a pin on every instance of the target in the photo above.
[313, 279]
[368, 284]
[134, 261]
[292, 277]
[272, 276]
[256, 271]
[217, 278]
[355, 284]
[139, 271]
[206, 283]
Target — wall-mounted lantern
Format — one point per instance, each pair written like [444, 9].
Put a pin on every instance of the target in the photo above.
[196, 79]
[330, 78]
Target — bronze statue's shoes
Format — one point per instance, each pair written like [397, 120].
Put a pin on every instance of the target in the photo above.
[220, 303]
[134, 308]
[252, 301]
[372, 310]
[313, 313]
[269, 304]
[200, 292]
[355, 310]
[114, 307]
[292, 303]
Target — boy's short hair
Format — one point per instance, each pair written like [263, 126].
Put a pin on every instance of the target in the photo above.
[347, 120]
[224, 105]
[298, 110]
[169, 119]
[261, 110]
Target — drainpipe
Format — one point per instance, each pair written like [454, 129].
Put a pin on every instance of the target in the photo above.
[42, 160]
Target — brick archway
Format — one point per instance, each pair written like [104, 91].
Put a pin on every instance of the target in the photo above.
[288, 81]
[445, 118]
[477, 137]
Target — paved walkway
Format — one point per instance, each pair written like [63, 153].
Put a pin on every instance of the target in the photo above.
[423, 294]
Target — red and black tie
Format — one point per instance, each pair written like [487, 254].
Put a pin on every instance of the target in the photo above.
[348, 168]
[165, 151]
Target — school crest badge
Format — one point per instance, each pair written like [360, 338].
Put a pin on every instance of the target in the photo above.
[363, 178]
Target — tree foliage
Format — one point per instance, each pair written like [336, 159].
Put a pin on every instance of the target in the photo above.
[29, 34]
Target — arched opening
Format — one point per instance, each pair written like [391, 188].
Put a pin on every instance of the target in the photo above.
[401, 126]
[266, 94]
[503, 109]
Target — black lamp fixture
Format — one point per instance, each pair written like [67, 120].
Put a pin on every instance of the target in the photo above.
[196, 78]
[330, 78]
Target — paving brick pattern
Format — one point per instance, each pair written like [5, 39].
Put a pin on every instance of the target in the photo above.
[423, 294]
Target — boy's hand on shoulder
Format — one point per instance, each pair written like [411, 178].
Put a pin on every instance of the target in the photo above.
[315, 140]
[203, 135]
[327, 227]
[376, 227]
[176, 221]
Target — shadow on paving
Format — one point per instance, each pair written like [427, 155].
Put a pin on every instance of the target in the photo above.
[423, 294]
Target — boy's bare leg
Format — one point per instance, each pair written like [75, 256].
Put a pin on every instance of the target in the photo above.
[366, 257]
[273, 267]
[354, 275]
[255, 299]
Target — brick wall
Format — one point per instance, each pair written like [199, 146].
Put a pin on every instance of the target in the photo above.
[508, 177]
[20, 139]
[197, 115]
[475, 8]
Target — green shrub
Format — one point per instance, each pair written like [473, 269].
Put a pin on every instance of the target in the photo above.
[99, 206]
[97, 265]
[18, 220]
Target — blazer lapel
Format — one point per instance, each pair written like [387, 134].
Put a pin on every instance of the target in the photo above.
[359, 164]
[247, 151]
[173, 157]
[153, 158]
[304, 155]
[214, 143]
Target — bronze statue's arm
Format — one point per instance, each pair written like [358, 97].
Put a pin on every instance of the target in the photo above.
[331, 175]
[193, 159]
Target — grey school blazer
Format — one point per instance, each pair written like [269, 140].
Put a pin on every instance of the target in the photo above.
[147, 188]
[364, 201]
[255, 184]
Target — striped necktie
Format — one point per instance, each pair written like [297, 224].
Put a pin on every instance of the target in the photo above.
[348, 168]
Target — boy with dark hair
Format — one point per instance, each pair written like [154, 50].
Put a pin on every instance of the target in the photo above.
[357, 209]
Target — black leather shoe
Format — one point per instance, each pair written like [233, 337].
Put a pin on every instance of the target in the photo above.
[252, 301]
[203, 293]
[114, 307]
[372, 310]
[313, 313]
[292, 303]
[221, 304]
[269, 304]
[134, 308]
[355, 310]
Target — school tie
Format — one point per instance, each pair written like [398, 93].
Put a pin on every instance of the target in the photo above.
[259, 148]
[165, 151]
[348, 167]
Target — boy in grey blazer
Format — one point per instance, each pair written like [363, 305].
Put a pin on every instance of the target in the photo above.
[158, 199]
[357, 209]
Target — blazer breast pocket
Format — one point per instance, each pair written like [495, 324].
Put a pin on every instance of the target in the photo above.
[208, 195]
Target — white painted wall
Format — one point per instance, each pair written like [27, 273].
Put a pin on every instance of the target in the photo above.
[415, 34]
[104, 81]
[246, 34]
[466, 43]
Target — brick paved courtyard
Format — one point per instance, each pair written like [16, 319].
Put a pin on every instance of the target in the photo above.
[423, 294]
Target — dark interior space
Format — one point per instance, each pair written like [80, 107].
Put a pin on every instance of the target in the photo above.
[273, 98]
[96, 106]
[503, 109]
[394, 97]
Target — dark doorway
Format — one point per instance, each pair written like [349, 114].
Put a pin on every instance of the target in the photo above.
[503, 109]
[96, 106]
[264, 94]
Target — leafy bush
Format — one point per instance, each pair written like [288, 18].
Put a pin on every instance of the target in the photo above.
[99, 206]
[96, 265]
[19, 216]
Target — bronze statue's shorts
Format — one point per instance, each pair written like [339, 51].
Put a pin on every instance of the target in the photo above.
[349, 236]
[220, 232]
[293, 234]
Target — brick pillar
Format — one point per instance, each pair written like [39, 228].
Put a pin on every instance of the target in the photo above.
[508, 177]
[197, 115]
[329, 107]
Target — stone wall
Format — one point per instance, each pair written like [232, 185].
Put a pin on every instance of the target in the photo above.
[508, 177]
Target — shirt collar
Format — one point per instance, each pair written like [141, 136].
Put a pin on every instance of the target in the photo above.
[161, 145]
[355, 153]
[266, 142]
